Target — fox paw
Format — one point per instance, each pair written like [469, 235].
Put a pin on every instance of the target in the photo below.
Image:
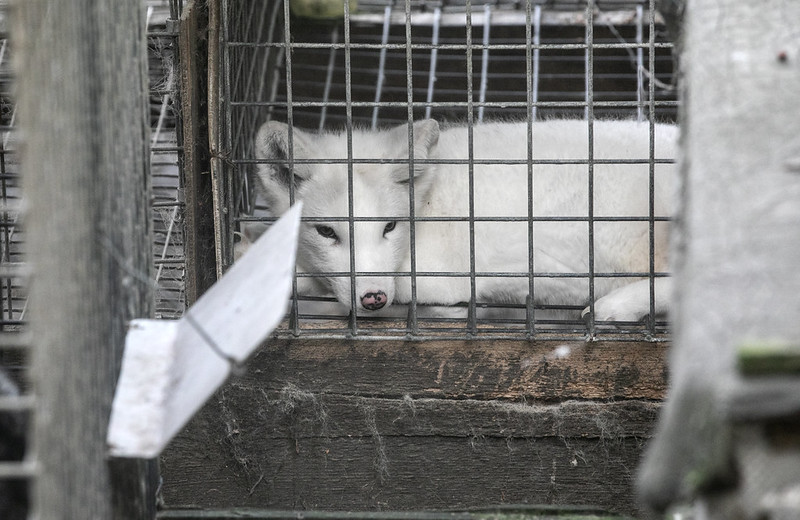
[611, 310]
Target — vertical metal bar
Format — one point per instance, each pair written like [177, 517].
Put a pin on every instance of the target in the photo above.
[288, 56]
[243, 24]
[241, 83]
[651, 322]
[437, 20]
[165, 100]
[5, 251]
[348, 87]
[387, 18]
[273, 18]
[248, 84]
[487, 25]
[326, 93]
[227, 179]
[586, 53]
[175, 8]
[280, 60]
[247, 199]
[202, 228]
[537, 40]
[217, 81]
[590, 150]
[265, 67]
[531, 72]
[8, 231]
[639, 65]
[471, 318]
[412, 322]
[294, 321]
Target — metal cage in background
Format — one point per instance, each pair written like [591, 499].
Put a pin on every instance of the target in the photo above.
[387, 62]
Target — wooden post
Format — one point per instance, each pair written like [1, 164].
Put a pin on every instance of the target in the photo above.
[83, 108]
[199, 213]
[738, 251]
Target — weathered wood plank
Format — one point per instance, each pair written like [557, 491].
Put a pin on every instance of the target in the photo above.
[550, 371]
[736, 256]
[83, 114]
[300, 414]
[360, 425]
[526, 512]
[198, 212]
[310, 451]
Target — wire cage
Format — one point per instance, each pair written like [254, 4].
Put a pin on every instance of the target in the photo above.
[385, 63]
[15, 402]
[169, 259]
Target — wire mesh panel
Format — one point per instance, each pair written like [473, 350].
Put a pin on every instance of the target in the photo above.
[499, 79]
[165, 159]
[15, 401]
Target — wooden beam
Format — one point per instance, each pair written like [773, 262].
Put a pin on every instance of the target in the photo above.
[435, 425]
[199, 212]
[736, 256]
[475, 369]
[83, 111]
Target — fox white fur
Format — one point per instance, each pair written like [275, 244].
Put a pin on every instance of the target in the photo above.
[380, 191]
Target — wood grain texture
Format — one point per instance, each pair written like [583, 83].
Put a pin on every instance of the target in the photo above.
[337, 425]
[83, 114]
[548, 371]
[525, 512]
[198, 212]
[736, 251]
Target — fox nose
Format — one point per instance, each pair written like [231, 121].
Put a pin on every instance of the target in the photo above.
[372, 301]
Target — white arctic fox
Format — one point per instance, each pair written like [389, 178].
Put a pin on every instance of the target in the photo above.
[441, 184]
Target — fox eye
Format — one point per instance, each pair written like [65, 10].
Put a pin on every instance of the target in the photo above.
[327, 232]
[389, 227]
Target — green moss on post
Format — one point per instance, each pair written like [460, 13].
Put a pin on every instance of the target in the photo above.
[768, 358]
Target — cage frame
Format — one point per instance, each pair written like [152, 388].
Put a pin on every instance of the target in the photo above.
[224, 162]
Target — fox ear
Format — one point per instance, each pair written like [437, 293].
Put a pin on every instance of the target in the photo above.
[272, 143]
[426, 137]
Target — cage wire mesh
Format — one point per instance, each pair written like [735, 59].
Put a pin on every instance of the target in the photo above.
[386, 62]
[165, 158]
[16, 402]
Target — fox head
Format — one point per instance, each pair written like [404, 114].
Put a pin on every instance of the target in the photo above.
[315, 169]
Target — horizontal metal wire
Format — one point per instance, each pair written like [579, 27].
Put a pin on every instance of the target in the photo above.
[463, 219]
[451, 104]
[17, 470]
[501, 15]
[9, 206]
[165, 149]
[17, 403]
[447, 46]
[479, 274]
[613, 332]
[458, 161]
[14, 270]
[169, 261]
[9, 340]
[167, 204]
